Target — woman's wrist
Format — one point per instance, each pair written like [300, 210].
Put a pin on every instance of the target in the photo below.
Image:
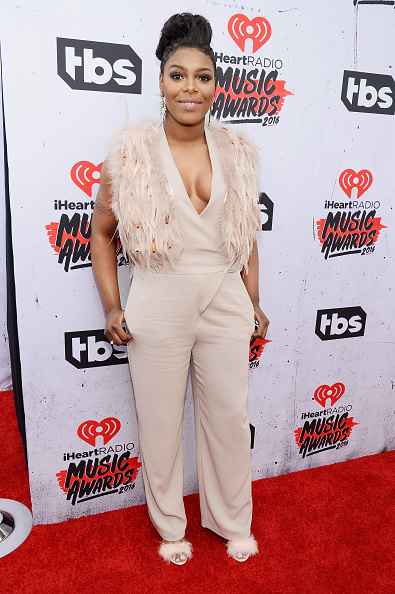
[112, 308]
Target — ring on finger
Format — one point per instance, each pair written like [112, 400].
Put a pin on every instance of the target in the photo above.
[111, 342]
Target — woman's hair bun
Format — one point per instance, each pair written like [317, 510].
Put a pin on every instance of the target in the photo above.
[184, 30]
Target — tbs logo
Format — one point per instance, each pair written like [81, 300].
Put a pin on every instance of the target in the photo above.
[90, 348]
[97, 66]
[344, 322]
[367, 92]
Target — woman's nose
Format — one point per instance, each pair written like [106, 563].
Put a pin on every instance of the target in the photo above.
[190, 84]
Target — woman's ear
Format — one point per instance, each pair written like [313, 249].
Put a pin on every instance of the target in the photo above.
[161, 81]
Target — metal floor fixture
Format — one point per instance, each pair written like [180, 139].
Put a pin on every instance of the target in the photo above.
[16, 521]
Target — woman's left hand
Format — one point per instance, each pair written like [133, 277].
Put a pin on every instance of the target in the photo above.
[262, 321]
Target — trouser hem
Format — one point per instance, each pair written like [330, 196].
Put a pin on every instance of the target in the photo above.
[228, 535]
[171, 538]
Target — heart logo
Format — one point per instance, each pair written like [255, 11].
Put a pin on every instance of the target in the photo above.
[89, 430]
[349, 179]
[333, 392]
[241, 28]
[84, 174]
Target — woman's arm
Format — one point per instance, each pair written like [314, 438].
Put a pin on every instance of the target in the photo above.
[251, 281]
[104, 261]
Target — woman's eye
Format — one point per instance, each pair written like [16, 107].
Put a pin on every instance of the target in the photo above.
[180, 76]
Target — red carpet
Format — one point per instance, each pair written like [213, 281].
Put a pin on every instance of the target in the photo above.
[324, 531]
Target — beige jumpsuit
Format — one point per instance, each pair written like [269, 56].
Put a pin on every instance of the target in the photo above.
[200, 314]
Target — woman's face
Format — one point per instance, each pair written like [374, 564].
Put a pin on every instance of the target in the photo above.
[188, 85]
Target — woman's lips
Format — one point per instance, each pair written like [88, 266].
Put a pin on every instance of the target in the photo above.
[190, 105]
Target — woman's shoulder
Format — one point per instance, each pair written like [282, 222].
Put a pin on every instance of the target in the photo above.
[129, 147]
[233, 144]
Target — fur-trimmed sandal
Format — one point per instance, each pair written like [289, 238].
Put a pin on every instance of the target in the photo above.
[176, 552]
[241, 550]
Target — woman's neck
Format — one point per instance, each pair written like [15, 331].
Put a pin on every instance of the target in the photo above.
[179, 133]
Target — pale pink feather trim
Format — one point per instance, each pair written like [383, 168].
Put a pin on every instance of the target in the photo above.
[145, 208]
[142, 200]
[168, 550]
[248, 546]
[241, 217]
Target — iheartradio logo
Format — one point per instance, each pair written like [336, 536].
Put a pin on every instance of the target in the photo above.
[84, 174]
[349, 180]
[324, 392]
[107, 428]
[241, 28]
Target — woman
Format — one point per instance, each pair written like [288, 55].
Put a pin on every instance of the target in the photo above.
[183, 198]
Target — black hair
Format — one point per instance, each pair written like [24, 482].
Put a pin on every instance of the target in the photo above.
[184, 30]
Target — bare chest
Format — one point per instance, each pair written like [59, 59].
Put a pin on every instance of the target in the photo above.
[194, 167]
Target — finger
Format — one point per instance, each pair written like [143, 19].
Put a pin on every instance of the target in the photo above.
[118, 336]
[260, 332]
[125, 330]
[122, 337]
[265, 327]
[116, 341]
[115, 332]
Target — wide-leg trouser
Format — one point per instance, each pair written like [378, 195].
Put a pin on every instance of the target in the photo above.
[206, 320]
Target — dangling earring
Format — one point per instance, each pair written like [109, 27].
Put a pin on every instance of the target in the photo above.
[163, 107]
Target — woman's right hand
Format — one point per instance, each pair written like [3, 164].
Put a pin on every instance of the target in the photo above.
[113, 330]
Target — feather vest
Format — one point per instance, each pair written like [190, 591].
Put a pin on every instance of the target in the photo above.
[144, 206]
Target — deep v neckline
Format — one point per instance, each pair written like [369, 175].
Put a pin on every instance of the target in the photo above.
[178, 174]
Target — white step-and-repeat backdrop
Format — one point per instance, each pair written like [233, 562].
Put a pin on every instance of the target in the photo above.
[5, 368]
[312, 85]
